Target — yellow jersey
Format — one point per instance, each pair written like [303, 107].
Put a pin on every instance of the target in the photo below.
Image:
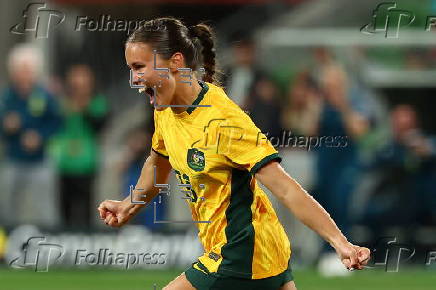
[215, 149]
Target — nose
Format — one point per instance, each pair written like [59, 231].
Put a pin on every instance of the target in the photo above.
[137, 78]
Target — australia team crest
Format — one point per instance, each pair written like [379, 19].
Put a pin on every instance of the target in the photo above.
[195, 159]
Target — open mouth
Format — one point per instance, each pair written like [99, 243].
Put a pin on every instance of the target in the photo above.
[149, 92]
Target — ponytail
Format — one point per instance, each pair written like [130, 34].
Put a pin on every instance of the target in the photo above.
[205, 35]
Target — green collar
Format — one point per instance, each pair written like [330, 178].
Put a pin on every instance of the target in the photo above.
[204, 89]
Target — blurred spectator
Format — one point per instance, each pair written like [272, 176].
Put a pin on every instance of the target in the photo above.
[406, 167]
[303, 105]
[416, 59]
[29, 116]
[264, 107]
[137, 150]
[76, 147]
[323, 58]
[243, 74]
[337, 168]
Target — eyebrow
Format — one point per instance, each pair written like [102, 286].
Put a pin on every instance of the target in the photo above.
[137, 63]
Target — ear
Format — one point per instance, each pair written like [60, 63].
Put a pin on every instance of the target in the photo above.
[177, 61]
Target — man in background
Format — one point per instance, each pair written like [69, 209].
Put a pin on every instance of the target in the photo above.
[29, 116]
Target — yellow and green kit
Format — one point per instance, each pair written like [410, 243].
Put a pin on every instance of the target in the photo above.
[215, 149]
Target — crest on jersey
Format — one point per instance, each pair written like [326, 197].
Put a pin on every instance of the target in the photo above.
[195, 159]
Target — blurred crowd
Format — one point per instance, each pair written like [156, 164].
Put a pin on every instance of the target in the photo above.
[387, 170]
[51, 143]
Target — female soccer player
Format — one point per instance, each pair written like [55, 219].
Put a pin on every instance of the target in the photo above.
[220, 155]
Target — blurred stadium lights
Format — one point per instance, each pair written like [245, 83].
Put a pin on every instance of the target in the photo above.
[185, 3]
[224, 2]
[336, 24]
[348, 38]
[341, 37]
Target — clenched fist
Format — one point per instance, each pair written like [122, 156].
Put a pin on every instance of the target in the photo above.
[352, 256]
[115, 213]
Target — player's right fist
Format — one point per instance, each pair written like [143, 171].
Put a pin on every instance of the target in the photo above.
[114, 213]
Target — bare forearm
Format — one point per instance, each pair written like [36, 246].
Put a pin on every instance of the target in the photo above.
[145, 189]
[143, 192]
[311, 213]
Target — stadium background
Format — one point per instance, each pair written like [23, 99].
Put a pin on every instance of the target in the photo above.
[278, 58]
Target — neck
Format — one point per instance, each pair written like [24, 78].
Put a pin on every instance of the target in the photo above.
[185, 94]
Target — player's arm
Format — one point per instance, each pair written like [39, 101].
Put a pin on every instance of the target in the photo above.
[145, 190]
[117, 213]
[311, 213]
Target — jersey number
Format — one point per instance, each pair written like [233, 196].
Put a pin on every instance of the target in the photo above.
[188, 190]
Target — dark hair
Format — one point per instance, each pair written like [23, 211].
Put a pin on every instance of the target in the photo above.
[168, 35]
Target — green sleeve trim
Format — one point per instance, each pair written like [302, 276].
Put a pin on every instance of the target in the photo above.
[164, 156]
[264, 161]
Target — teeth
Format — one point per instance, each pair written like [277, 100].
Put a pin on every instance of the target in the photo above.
[141, 90]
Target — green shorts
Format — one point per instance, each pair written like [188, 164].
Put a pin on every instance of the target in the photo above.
[215, 281]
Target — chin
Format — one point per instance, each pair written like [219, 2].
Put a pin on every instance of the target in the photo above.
[160, 108]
